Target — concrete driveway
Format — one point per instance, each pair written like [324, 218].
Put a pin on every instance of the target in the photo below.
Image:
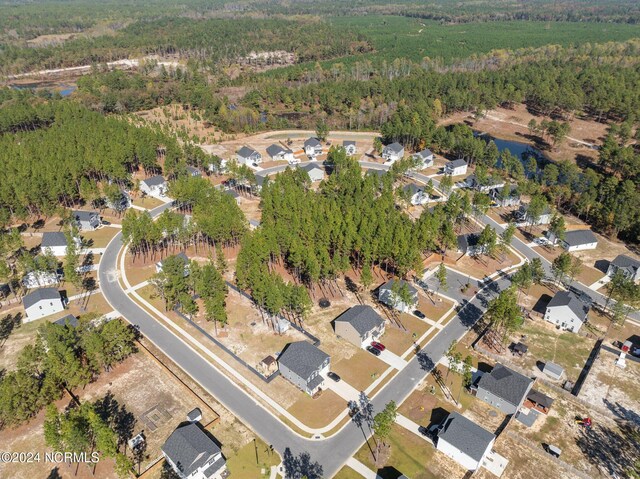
[392, 359]
[343, 389]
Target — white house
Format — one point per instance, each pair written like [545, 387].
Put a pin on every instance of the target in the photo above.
[567, 311]
[304, 365]
[505, 198]
[56, 243]
[278, 153]
[155, 186]
[579, 240]
[37, 279]
[390, 294]
[219, 169]
[312, 148]
[425, 158]
[248, 156]
[544, 218]
[464, 441]
[42, 302]
[194, 455]
[193, 171]
[456, 167]
[416, 193]
[315, 172]
[86, 220]
[628, 266]
[484, 186]
[392, 153]
[350, 147]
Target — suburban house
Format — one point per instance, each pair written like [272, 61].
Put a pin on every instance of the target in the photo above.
[468, 244]
[42, 302]
[315, 172]
[359, 325]
[424, 158]
[416, 194]
[182, 256]
[278, 153]
[304, 365]
[68, 320]
[578, 240]
[120, 204]
[350, 147]
[544, 219]
[504, 389]
[393, 152]
[86, 220]
[464, 441]
[312, 148]
[260, 179]
[218, 168]
[456, 167]
[484, 186]
[628, 266]
[234, 194]
[193, 171]
[56, 243]
[390, 294]
[248, 156]
[37, 279]
[194, 455]
[567, 311]
[507, 198]
[154, 186]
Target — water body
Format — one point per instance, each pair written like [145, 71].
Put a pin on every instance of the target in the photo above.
[63, 89]
[523, 151]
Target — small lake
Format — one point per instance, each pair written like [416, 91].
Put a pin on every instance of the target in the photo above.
[521, 150]
[63, 89]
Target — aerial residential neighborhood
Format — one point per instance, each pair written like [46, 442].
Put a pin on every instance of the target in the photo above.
[315, 240]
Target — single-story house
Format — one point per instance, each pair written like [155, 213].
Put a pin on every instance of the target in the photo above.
[86, 220]
[390, 294]
[68, 320]
[627, 265]
[523, 216]
[192, 454]
[510, 198]
[464, 441]
[56, 243]
[154, 186]
[193, 171]
[504, 389]
[234, 194]
[393, 152]
[312, 147]
[538, 401]
[456, 167]
[485, 186]
[359, 325]
[567, 311]
[304, 365]
[425, 158]
[315, 172]
[37, 279]
[278, 153]
[468, 244]
[182, 256]
[350, 147]
[578, 240]
[248, 156]
[416, 194]
[553, 370]
[42, 302]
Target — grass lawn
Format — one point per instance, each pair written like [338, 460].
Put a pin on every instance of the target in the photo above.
[360, 370]
[431, 310]
[243, 465]
[148, 292]
[318, 412]
[347, 473]
[148, 202]
[99, 238]
[398, 340]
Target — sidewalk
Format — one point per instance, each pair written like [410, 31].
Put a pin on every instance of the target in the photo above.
[361, 469]
[413, 427]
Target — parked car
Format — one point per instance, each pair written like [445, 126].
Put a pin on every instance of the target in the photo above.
[334, 376]
[419, 314]
[553, 450]
[379, 346]
[374, 351]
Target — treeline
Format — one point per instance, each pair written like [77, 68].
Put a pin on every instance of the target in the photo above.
[61, 359]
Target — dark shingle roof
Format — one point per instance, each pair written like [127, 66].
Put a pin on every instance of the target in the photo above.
[363, 318]
[579, 237]
[42, 294]
[68, 319]
[302, 358]
[84, 215]
[190, 448]
[456, 163]
[626, 262]
[424, 153]
[312, 142]
[566, 298]
[468, 240]
[389, 285]
[246, 152]
[539, 398]
[275, 149]
[395, 147]
[51, 239]
[346, 143]
[155, 180]
[506, 384]
[466, 435]
[412, 188]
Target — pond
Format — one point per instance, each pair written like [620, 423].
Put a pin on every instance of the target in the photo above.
[519, 149]
[63, 89]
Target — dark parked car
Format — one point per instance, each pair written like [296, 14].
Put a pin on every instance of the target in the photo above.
[419, 314]
[379, 346]
[334, 376]
[374, 351]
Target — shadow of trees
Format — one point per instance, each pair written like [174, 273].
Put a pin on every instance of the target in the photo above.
[297, 467]
[7, 326]
[116, 415]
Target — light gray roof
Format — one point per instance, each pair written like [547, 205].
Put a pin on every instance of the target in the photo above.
[456, 163]
[626, 262]
[395, 147]
[51, 239]
[275, 149]
[42, 294]
[424, 153]
[389, 285]
[553, 368]
[506, 383]
[309, 167]
[69, 319]
[155, 180]
[190, 448]
[567, 298]
[84, 215]
[346, 143]
[255, 223]
[312, 142]
[247, 152]
[302, 358]
[192, 169]
[466, 435]
[363, 318]
[579, 237]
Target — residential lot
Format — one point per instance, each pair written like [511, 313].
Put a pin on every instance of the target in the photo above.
[99, 238]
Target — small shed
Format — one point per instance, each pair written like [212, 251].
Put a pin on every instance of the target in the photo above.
[269, 365]
[553, 370]
[519, 348]
[538, 401]
[195, 415]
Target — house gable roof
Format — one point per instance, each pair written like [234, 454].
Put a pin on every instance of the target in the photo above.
[303, 358]
[456, 163]
[69, 319]
[181, 255]
[626, 262]
[466, 436]
[424, 153]
[80, 215]
[468, 241]
[190, 449]
[567, 298]
[506, 384]
[247, 152]
[42, 294]
[394, 147]
[412, 188]
[313, 142]
[275, 150]
[309, 167]
[362, 318]
[389, 286]
[579, 237]
[154, 181]
[347, 143]
[52, 239]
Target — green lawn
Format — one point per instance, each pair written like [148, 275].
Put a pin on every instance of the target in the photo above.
[347, 473]
[243, 465]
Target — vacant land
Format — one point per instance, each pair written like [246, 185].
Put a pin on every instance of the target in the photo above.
[320, 411]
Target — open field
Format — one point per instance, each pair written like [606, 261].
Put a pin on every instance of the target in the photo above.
[99, 238]
[243, 465]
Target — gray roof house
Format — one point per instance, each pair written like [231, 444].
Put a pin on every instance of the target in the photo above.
[69, 320]
[425, 157]
[508, 195]
[544, 219]
[389, 294]
[417, 195]
[193, 171]
[56, 243]
[248, 156]
[278, 153]
[86, 220]
[628, 266]
[464, 441]
[42, 302]
[350, 147]
[485, 185]
[194, 455]
[504, 389]
[393, 152]
[567, 311]
[578, 240]
[456, 167]
[359, 325]
[315, 172]
[468, 244]
[154, 186]
[304, 365]
[312, 147]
